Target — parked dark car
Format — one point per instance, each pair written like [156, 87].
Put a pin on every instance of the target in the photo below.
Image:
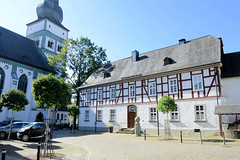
[16, 126]
[7, 122]
[32, 130]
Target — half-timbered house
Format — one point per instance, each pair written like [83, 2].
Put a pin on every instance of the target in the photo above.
[189, 72]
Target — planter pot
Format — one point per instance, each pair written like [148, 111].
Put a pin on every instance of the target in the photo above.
[110, 130]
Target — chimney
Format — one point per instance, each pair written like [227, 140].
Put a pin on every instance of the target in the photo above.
[135, 56]
[182, 41]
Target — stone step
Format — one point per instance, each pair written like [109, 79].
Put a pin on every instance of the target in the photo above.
[126, 131]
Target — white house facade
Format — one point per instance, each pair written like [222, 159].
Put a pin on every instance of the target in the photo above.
[189, 72]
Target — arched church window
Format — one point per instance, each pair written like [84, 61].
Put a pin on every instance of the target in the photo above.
[50, 43]
[37, 41]
[2, 77]
[59, 48]
[22, 83]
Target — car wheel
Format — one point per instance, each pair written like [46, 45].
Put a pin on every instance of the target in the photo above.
[2, 135]
[25, 138]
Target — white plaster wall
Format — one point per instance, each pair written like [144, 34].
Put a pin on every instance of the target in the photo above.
[26, 114]
[35, 27]
[186, 116]
[55, 29]
[231, 90]
[7, 68]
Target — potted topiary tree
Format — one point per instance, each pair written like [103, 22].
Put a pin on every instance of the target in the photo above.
[110, 129]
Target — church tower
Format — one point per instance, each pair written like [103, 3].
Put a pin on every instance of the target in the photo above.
[47, 31]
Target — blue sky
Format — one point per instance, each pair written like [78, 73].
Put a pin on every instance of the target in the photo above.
[121, 26]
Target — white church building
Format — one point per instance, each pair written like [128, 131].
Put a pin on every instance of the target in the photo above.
[23, 59]
[189, 72]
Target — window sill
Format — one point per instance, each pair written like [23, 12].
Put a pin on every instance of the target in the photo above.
[197, 121]
[198, 90]
[173, 121]
[86, 120]
[173, 92]
[153, 95]
[99, 120]
[112, 121]
[152, 121]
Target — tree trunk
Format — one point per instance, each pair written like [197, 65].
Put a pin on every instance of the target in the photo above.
[46, 134]
[78, 98]
[74, 122]
[10, 130]
[77, 104]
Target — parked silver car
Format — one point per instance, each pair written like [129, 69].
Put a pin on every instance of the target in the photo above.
[15, 128]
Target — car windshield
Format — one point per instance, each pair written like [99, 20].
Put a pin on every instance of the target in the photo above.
[4, 123]
[29, 125]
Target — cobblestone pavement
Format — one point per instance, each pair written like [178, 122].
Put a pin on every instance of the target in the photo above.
[105, 146]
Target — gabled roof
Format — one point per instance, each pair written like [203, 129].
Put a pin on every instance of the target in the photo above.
[20, 49]
[197, 52]
[231, 65]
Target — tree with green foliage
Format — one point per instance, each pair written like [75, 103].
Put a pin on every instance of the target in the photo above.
[77, 61]
[50, 92]
[165, 105]
[73, 111]
[14, 100]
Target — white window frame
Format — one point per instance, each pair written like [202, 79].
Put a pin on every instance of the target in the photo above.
[87, 115]
[197, 83]
[199, 111]
[88, 96]
[173, 86]
[50, 44]
[132, 91]
[112, 115]
[112, 93]
[99, 115]
[152, 88]
[100, 95]
[174, 115]
[152, 114]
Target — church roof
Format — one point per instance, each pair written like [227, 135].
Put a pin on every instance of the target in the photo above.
[20, 49]
[231, 65]
[197, 52]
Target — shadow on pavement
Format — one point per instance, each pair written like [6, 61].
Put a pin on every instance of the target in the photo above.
[68, 133]
[12, 151]
[217, 140]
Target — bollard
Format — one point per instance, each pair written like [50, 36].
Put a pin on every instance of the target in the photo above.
[223, 138]
[145, 135]
[38, 152]
[201, 137]
[181, 136]
[4, 151]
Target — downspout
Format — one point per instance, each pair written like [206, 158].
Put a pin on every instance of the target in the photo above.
[220, 116]
[215, 75]
[96, 116]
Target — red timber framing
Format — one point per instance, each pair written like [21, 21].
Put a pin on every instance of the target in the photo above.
[210, 78]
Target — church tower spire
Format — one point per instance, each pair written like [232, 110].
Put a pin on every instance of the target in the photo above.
[47, 31]
[51, 10]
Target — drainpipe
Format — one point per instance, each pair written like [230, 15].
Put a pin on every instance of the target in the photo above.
[96, 117]
[220, 116]
[215, 75]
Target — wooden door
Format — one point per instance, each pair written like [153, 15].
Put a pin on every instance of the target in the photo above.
[132, 113]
